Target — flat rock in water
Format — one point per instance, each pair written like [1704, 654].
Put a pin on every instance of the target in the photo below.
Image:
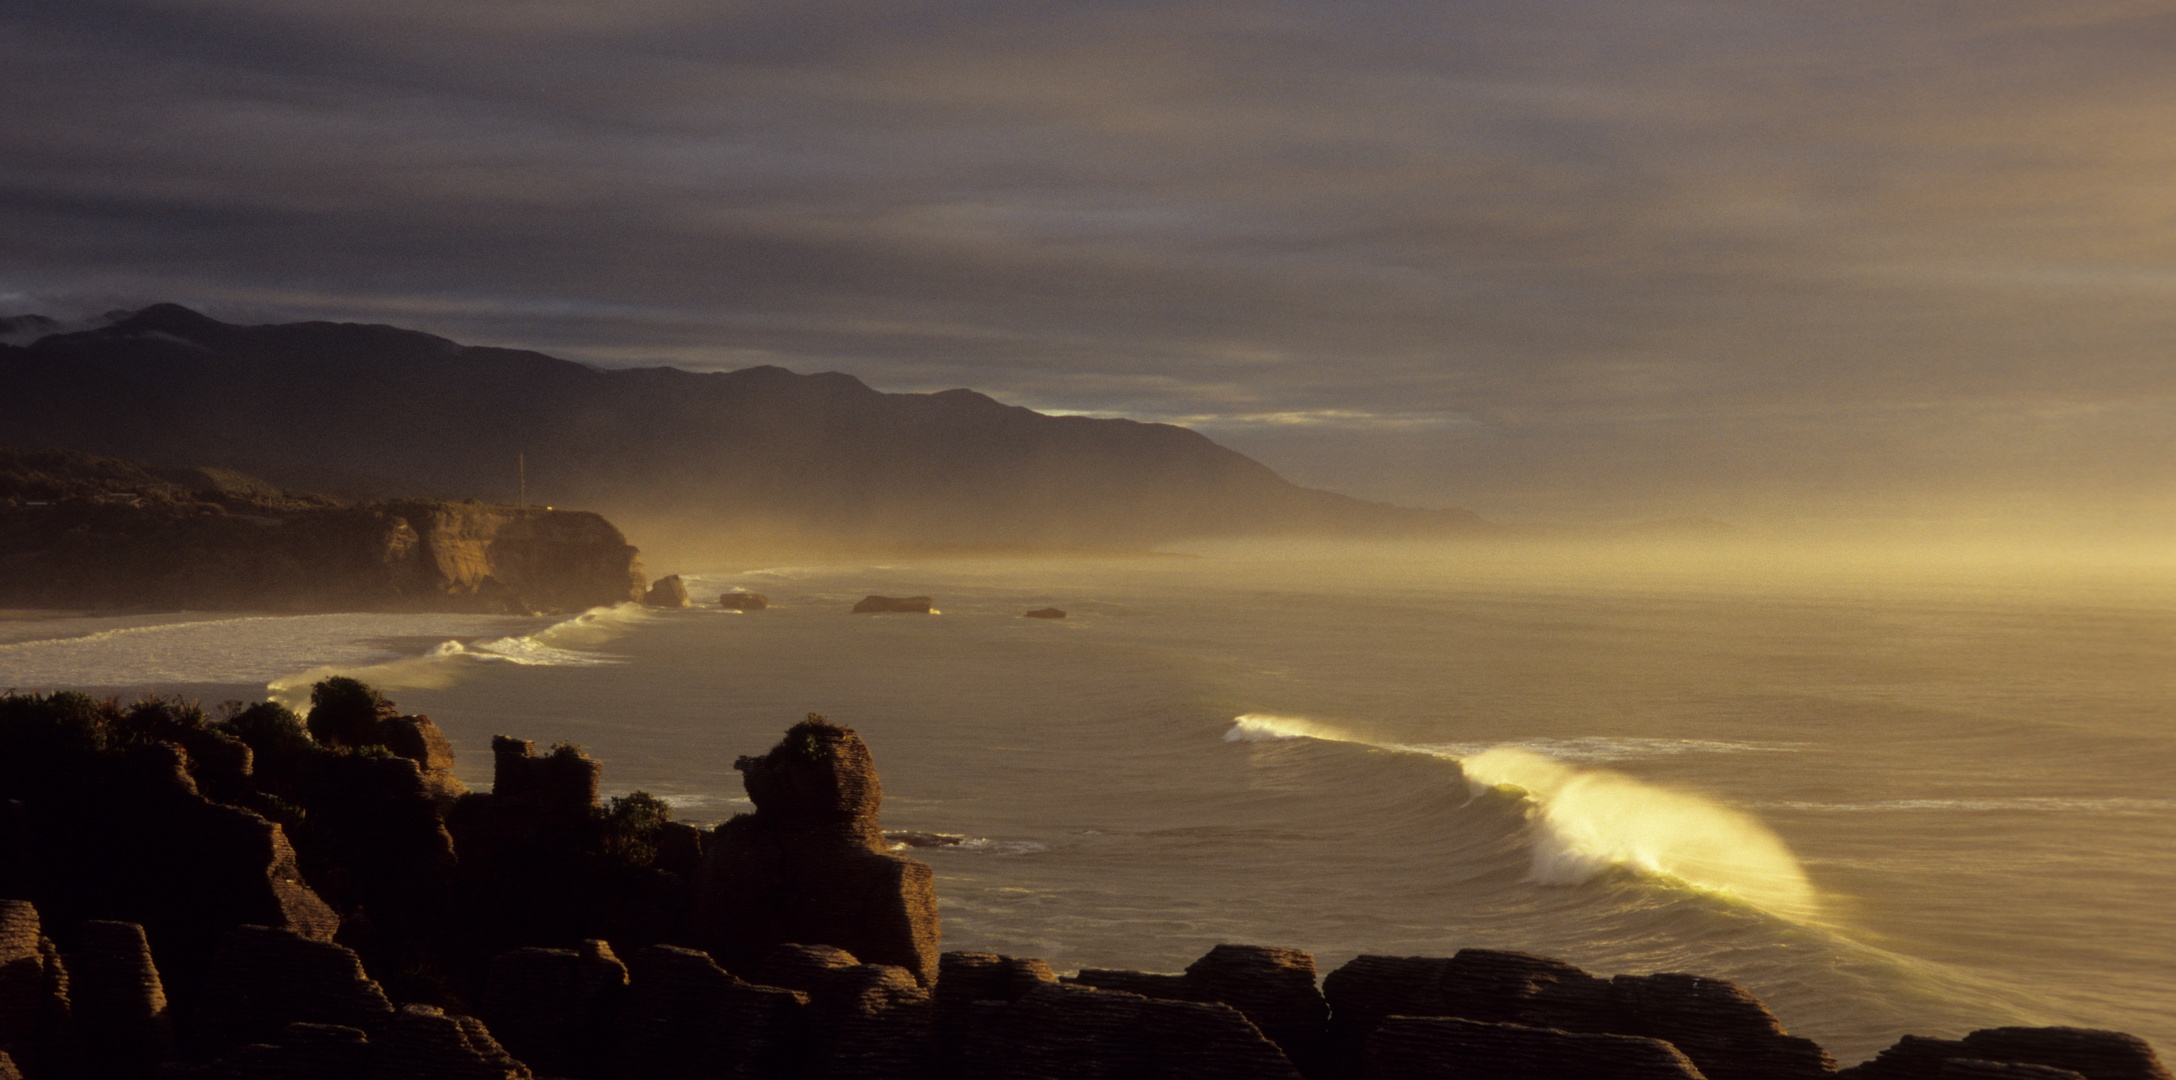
[1046, 613]
[744, 601]
[879, 605]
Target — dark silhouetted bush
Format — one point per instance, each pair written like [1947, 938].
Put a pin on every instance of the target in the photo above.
[344, 712]
[270, 729]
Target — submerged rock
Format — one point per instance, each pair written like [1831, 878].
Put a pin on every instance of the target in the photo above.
[1046, 613]
[878, 605]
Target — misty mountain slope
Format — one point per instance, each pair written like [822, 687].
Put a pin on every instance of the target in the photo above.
[377, 410]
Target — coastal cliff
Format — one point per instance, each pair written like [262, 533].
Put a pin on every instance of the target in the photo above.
[277, 897]
[82, 531]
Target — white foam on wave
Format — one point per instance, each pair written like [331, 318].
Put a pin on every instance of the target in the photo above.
[246, 649]
[562, 644]
[1266, 727]
[1588, 821]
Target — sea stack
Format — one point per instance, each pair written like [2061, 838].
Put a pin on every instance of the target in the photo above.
[810, 866]
[667, 591]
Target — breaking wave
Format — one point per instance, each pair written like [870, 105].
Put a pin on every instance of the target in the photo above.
[562, 644]
[1585, 821]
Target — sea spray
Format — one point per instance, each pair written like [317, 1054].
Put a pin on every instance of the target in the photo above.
[1590, 820]
[1265, 727]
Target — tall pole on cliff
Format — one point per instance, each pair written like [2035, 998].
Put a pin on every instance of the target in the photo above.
[521, 467]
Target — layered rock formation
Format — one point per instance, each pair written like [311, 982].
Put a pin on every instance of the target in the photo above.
[479, 936]
[811, 865]
[82, 531]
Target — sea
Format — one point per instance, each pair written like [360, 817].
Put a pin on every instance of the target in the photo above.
[1887, 795]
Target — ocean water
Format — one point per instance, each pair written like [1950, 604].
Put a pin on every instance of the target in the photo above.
[1886, 799]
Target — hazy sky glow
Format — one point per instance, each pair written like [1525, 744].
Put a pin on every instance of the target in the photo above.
[1540, 258]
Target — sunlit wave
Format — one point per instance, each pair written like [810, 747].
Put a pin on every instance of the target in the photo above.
[1589, 820]
[1593, 819]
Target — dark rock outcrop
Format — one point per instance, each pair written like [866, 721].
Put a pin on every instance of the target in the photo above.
[1273, 988]
[866, 1020]
[1448, 1048]
[1717, 1024]
[556, 1008]
[903, 605]
[810, 866]
[114, 824]
[744, 601]
[423, 1043]
[2097, 1055]
[1974, 1069]
[1046, 613]
[687, 1018]
[966, 978]
[667, 592]
[1720, 1027]
[1068, 1030]
[561, 783]
[122, 1024]
[34, 993]
[263, 979]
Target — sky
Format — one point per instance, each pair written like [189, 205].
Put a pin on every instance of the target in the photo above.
[1549, 260]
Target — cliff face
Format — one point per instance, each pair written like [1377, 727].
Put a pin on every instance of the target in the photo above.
[80, 531]
[757, 447]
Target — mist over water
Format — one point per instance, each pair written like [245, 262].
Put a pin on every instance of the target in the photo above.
[1886, 795]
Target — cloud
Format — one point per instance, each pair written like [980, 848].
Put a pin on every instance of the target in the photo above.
[1542, 224]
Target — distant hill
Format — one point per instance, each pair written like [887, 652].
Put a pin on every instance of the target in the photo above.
[374, 411]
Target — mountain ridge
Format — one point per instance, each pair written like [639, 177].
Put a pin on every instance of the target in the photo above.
[368, 410]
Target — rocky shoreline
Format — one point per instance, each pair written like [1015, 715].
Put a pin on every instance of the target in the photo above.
[262, 895]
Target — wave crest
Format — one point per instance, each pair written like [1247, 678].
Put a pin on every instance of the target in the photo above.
[557, 645]
[1590, 820]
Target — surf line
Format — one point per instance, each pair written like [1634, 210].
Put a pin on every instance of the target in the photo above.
[561, 644]
[1586, 821]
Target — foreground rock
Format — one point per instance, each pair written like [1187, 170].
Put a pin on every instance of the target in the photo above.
[811, 865]
[1724, 1031]
[2028, 1054]
[908, 605]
